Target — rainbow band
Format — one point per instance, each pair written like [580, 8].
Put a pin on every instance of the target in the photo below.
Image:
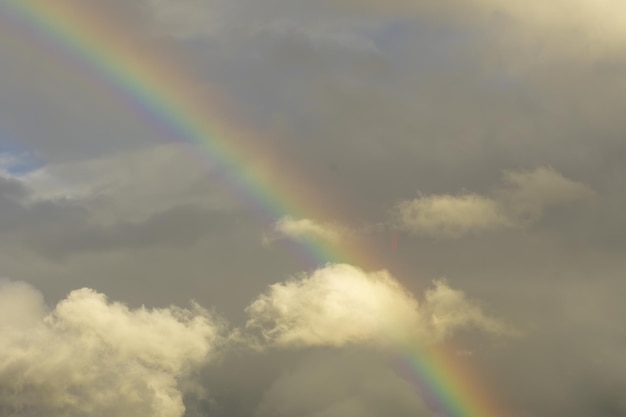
[160, 92]
[453, 391]
[147, 81]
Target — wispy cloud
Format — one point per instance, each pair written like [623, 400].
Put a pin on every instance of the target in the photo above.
[450, 215]
[520, 201]
[301, 229]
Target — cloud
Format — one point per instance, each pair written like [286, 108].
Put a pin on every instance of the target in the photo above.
[13, 164]
[555, 21]
[131, 184]
[92, 356]
[179, 227]
[519, 202]
[349, 383]
[442, 74]
[89, 356]
[447, 310]
[19, 215]
[299, 229]
[278, 19]
[148, 197]
[188, 18]
[450, 216]
[351, 311]
[526, 195]
[595, 24]
[340, 305]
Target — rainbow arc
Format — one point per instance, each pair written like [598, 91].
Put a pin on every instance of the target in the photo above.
[88, 39]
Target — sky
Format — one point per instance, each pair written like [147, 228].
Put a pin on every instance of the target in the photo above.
[472, 152]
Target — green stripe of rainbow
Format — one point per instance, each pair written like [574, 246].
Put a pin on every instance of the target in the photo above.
[158, 89]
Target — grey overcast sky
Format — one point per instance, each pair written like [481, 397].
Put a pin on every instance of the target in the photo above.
[476, 147]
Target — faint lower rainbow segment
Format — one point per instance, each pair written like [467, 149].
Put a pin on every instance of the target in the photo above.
[88, 38]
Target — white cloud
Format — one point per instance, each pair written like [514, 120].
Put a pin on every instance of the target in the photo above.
[89, 356]
[450, 216]
[298, 229]
[340, 304]
[20, 305]
[519, 202]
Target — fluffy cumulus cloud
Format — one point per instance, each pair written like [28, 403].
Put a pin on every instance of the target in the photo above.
[297, 229]
[89, 356]
[520, 201]
[341, 305]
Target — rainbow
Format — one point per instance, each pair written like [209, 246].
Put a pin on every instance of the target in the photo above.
[445, 383]
[91, 42]
[109, 58]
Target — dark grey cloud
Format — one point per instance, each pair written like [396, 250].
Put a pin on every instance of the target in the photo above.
[374, 103]
[17, 215]
[178, 228]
